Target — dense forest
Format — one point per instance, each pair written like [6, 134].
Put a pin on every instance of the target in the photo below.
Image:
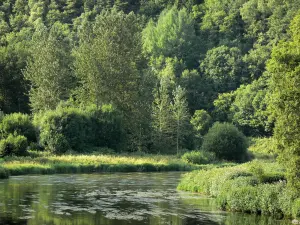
[151, 75]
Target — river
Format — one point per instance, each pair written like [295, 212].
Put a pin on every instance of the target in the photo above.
[111, 199]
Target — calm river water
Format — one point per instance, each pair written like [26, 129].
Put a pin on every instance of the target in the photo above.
[111, 199]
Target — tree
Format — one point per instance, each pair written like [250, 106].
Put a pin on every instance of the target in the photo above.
[48, 70]
[107, 61]
[19, 19]
[53, 14]
[199, 90]
[37, 10]
[4, 29]
[221, 23]
[109, 65]
[223, 66]
[172, 36]
[70, 10]
[162, 121]
[284, 68]
[201, 122]
[222, 107]
[249, 109]
[181, 116]
[13, 87]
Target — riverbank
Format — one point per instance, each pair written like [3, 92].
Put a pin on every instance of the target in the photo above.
[49, 164]
[255, 187]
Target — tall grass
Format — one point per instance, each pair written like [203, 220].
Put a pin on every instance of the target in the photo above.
[48, 164]
[254, 187]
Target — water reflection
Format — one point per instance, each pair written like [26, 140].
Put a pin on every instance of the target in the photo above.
[112, 199]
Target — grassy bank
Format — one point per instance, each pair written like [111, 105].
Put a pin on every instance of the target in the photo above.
[44, 163]
[255, 187]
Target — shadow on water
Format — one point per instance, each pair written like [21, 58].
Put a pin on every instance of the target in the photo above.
[114, 199]
[11, 221]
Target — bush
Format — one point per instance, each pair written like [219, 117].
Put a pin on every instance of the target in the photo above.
[19, 124]
[75, 129]
[286, 200]
[243, 199]
[240, 186]
[13, 145]
[296, 209]
[226, 141]
[268, 195]
[3, 173]
[199, 157]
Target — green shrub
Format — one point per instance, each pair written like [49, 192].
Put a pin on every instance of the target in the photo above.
[13, 145]
[76, 129]
[243, 199]
[3, 173]
[251, 187]
[58, 144]
[19, 124]
[268, 195]
[296, 209]
[225, 195]
[257, 170]
[226, 141]
[286, 200]
[199, 157]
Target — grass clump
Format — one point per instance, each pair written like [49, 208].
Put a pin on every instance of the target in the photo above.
[3, 173]
[254, 187]
[199, 157]
[13, 145]
[43, 163]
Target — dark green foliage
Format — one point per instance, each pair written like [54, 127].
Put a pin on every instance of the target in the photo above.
[222, 66]
[199, 157]
[3, 173]
[249, 108]
[19, 124]
[75, 129]
[49, 68]
[13, 145]
[222, 107]
[201, 121]
[226, 141]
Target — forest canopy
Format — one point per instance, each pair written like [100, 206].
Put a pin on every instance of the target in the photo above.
[158, 74]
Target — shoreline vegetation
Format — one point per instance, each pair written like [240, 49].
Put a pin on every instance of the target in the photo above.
[43, 163]
[257, 187]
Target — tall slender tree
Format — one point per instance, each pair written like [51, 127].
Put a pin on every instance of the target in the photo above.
[181, 116]
[162, 120]
[48, 70]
